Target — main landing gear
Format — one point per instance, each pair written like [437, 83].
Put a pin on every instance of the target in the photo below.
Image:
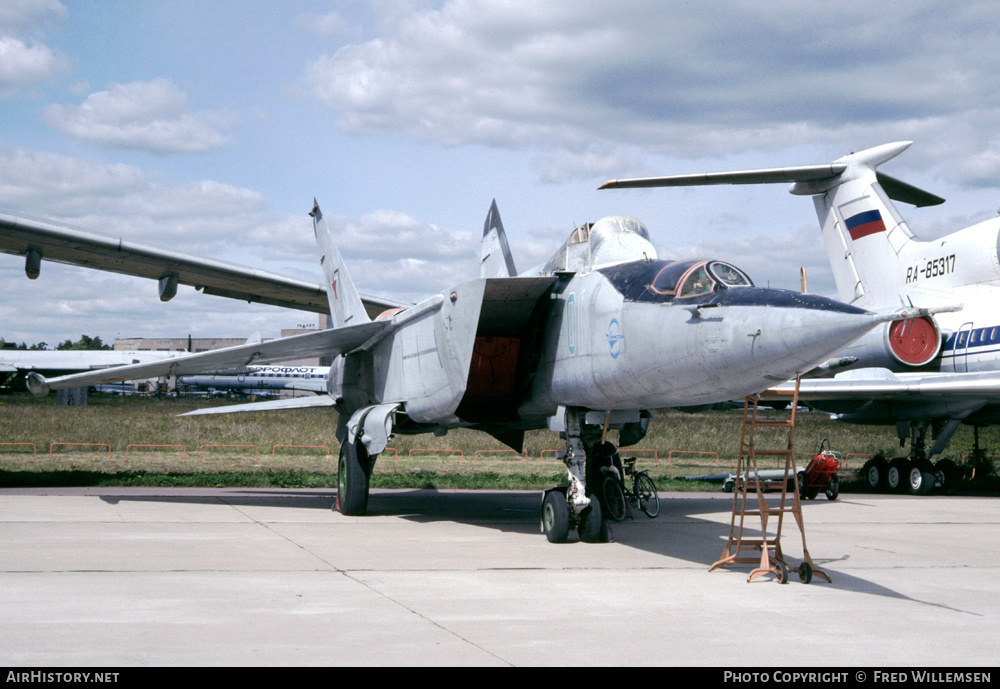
[354, 470]
[574, 505]
[915, 474]
[361, 438]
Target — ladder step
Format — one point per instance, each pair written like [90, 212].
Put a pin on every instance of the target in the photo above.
[773, 505]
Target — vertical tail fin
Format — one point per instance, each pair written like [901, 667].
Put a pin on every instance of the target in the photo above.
[863, 231]
[345, 302]
[495, 259]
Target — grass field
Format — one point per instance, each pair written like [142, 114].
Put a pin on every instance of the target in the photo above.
[116, 440]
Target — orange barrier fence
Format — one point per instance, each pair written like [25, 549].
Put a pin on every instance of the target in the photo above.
[34, 448]
[541, 455]
[847, 458]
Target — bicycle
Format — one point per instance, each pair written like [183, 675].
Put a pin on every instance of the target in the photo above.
[642, 495]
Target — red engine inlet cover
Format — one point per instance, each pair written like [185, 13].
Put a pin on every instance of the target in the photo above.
[914, 342]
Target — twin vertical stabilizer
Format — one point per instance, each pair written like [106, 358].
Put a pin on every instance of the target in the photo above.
[495, 257]
[346, 307]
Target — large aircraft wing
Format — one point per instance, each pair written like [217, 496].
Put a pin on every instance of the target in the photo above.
[884, 384]
[320, 343]
[39, 240]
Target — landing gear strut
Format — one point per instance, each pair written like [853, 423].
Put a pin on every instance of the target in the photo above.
[573, 505]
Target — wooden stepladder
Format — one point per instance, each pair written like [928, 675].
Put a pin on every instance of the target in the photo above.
[766, 549]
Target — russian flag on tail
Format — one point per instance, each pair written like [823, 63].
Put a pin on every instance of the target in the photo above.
[864, 224]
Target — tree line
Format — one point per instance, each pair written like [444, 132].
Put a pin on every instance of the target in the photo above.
[85, 342]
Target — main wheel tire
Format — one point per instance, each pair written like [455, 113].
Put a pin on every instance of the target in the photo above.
[873, 473]
[555, 517]
[945, 475]
[920, 479]
[649, 501]
[352, 480]
[591, 522]
[896, 476]
[614, 498]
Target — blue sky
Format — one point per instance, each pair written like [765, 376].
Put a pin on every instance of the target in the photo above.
[210, 126]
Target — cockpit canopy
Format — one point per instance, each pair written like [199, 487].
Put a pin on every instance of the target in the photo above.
[619, 247]
[668, 280]
[610, 240]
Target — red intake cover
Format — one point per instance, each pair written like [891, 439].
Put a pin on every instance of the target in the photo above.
[914, 342]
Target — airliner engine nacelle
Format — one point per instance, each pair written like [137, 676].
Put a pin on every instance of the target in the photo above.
[898, 346]
[913, 342]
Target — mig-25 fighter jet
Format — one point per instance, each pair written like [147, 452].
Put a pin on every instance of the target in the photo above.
[590, 341]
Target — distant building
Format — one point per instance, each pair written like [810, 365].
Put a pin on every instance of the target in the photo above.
[206, 344]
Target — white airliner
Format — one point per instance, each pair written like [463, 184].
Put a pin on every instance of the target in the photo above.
[253, 379]
[940, 370]
[19, 362]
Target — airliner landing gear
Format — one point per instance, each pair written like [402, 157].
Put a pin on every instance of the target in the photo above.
[914, 474]
[919, 475]
[571, 505]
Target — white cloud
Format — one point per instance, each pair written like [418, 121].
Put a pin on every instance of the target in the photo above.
[124, 200]
[54, 182]
[26, 63]
[141, 115]
[20, 14]
[691, 80]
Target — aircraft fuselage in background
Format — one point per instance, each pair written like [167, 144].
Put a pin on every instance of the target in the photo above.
[262, 378]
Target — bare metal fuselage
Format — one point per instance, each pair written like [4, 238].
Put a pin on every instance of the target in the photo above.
[511, 351]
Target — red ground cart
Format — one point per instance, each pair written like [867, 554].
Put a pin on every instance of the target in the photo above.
[821, 474]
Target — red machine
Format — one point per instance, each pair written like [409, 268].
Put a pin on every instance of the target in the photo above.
[821, 474]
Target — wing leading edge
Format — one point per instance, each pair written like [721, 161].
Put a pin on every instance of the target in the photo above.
[39, 240]
[321, 343]
[884, 384]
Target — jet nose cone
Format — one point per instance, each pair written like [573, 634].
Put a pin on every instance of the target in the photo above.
[792, 333]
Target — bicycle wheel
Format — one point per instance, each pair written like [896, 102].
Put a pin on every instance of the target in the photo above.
[614, 498]
[649, 501]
